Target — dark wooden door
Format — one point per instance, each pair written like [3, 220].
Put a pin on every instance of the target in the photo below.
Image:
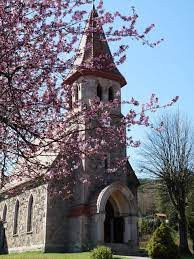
[109, 224]
[118, 229]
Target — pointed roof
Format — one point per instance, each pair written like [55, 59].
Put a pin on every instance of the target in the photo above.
[94, 56]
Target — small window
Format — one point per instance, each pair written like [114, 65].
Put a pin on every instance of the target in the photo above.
[110, 94]
[70, 101]
[99, 92]
[4, 217]
[107, 162]
[16, 213]
[76, 93]
[70, 104]
[30, 214]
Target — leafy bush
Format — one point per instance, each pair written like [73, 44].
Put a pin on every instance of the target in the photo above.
[161, 244]
[101, 252]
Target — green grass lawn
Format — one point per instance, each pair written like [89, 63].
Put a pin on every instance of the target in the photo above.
[36, 255]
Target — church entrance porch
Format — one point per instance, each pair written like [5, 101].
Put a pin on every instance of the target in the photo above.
[116, 217]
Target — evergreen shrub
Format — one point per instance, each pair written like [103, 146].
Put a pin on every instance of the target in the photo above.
[162, 245]
[101, 252]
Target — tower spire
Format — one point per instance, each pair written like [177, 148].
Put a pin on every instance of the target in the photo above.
[94, 56]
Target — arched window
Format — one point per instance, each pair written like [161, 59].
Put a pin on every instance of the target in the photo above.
[4, 213]
[107, 161]
[15, 223]
[30, 214]
[110, 94]
[76, 93]
[70, 100]
[99, 92]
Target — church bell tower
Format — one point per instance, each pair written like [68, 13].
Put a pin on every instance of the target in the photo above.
[105, 213]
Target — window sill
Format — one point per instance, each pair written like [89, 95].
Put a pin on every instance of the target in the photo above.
[29, 232]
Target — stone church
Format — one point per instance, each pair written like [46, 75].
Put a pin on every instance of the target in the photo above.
[102, 213]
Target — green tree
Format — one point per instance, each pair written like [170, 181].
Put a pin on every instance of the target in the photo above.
[164, 206]
[168, 156]
[190, 213]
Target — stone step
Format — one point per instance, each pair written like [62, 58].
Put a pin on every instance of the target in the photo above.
[125, 249]
[120, 249]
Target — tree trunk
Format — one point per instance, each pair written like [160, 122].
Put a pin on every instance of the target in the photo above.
[183, 246]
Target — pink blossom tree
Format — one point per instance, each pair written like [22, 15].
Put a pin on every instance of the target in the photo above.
[38, 46]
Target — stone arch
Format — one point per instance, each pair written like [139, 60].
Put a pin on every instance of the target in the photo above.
[124, 221]
[122, 196]
[30, 214]
[16, 214]
[4, 216]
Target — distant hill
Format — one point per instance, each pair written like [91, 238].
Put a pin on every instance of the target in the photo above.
[147, 196]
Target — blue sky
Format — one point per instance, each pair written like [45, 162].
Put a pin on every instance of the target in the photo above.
[168, 69]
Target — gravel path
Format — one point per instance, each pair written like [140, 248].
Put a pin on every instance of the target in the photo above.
[135, 257]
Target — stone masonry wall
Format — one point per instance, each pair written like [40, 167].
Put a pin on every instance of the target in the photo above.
[23, 240]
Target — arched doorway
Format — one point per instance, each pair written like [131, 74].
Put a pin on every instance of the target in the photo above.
[116, 215]
[113, 225]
